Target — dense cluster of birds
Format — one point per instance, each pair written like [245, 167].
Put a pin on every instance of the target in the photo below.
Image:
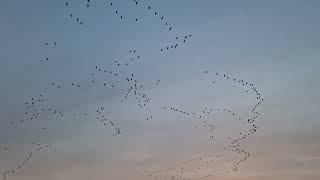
[38, 107]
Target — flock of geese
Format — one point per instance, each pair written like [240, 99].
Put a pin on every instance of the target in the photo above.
[37, 148]
[210, 164]
[37, 108]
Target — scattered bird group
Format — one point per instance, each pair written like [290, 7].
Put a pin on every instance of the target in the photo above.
[119, 73]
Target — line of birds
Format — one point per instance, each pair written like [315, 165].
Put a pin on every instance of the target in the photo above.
[195, 166]
[178, 41]
[103, 118]
[148, 8]
[38, 147]
[78, 20]
[234, 145]
[119, 73]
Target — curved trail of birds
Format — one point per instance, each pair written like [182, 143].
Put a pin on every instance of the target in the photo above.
[119, 73]
[38, 148]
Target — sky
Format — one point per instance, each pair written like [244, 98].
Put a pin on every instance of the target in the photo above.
[272, 44]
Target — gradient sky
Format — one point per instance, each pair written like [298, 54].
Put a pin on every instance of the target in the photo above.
[275, 44]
